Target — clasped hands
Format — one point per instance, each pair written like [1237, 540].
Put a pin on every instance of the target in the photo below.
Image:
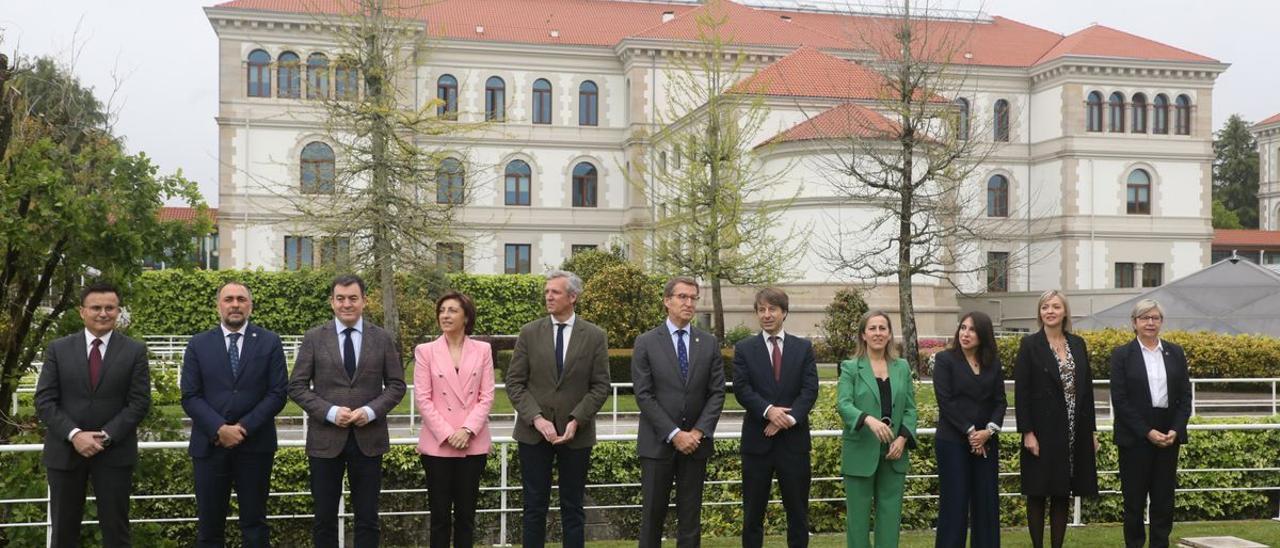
[230, 435]
[779, 419]
[87, 443]
[347, 417]
[548, 430]
[978, 441]
[1162, 440]
[687, 441]
[885, 435]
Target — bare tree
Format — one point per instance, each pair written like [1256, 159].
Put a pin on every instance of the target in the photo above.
[719, 217]
[916, 166]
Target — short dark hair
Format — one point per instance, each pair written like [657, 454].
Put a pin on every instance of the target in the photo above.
[670, 289]
[218, 294]
[347, 279]
[773, 296]
[100, 287]
[468, 308]
[988, 353]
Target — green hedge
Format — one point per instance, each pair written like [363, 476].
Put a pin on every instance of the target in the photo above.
[169, 472]
[1209, 355]
[619, 363]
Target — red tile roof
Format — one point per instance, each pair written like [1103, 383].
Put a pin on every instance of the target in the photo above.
[183, 213]
[844, 121]
[739, 25]
[1268, 121]
[1103, 41]
[1223, 237]
[807, 72]
[998, 42]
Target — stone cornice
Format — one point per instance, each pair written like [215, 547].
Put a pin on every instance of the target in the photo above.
[1094, 68]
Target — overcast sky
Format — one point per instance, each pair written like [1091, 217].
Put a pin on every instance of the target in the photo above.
[162, 53]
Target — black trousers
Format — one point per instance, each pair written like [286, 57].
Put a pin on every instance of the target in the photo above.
[794, 474]
[111, 487]
[364, 476]
[969, 489]
[250, 474]
[536, 463]
[453, 485]
[656, 476]
[1149, 471]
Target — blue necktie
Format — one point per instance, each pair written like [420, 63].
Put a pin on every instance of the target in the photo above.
[234, 354]
[560, 348]
[349, 353]
[682, 355]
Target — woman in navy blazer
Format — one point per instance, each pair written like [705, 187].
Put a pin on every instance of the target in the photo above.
[453, 388]
[969, 385]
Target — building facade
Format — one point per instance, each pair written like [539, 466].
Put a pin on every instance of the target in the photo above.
[1100, 167]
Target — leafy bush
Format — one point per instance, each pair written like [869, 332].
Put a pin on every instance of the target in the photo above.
[182, 302]
[624, 301]
[736, 334]
[839, 327]
[1209, 354]
[586, 264]
[418, 292]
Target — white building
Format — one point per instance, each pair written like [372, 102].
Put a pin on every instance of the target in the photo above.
[1104, 144]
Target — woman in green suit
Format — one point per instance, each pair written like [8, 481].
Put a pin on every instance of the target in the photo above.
[877, 403]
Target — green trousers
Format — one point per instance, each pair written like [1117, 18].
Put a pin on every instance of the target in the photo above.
[884, 488]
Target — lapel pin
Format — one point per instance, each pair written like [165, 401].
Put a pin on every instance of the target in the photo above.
[697, 340]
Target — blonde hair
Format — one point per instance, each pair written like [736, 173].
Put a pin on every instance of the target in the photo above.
[1066, 308]
[890, 353]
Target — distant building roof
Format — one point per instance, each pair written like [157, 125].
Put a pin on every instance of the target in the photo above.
[1253, 239]
[807, 72]
[1102, 41]
[844, 121]
[184, 213]
[1273, 119]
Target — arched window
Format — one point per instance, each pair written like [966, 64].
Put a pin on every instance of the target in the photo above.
[588, 104]
[1160, 115]
[259, 73]
[449, 182]
[1139, 113]
[1138, 193]
[584, 185]
[317, 168]
[1093, 112]
[317, 76]
[1115, 112]
[289, 76]
[346, 80]
[495, 99]
[541, 101]
[962, 118]
[447, 93]
[1182, 115]
[1001, 126]
[998, 196]
[517, 176]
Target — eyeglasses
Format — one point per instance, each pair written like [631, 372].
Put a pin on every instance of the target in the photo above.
[684, 297]
[1156, 319]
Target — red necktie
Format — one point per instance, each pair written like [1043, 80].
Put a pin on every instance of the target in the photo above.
[95, 363]
[777, 359]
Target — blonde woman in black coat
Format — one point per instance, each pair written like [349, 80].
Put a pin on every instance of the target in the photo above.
[1053, 395]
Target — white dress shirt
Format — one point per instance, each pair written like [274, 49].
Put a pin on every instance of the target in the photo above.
[226, 336]
[102, 350]
[675, 343]
[1157, 378]
[782, 336]
[568, 331]
[357, 337]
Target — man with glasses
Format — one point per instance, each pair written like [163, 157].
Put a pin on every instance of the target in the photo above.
[678, 375]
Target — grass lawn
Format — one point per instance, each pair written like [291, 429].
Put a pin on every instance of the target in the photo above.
[1103, 535]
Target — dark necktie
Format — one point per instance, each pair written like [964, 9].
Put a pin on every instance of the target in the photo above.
[682, 355]
[349, 353]
[560, 348]
[95, 363]
[233, 352]
[777, 359]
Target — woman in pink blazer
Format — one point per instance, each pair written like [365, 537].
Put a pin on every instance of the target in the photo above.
[453, 387]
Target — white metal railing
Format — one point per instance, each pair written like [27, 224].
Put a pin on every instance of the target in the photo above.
[505, 485]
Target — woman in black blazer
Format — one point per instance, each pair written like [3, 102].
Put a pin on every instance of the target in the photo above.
[1151, 395]
[969, 385]
[1053, 396]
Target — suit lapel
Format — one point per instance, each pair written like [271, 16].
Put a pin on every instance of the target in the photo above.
[247, 343]
[444, 361]
[1139, 363]
[767, 352]
[108, 358]
[869, 377]
[669, 351]
[81, 367]
[330, 342]
[571, 353]
[1053, 370]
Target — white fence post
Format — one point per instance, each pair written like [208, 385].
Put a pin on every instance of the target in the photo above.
[342, 521]
[502, 508]
[1078, 516]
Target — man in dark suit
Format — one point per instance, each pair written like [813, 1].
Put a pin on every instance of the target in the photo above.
[775, 378]
[678, 376]
[234, 381]
[347, 378]
[557, 381]
[1151, 395]
[94, 389]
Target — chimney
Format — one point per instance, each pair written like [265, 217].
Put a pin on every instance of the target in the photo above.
[786, 18]
[668, 15]
[479, 29]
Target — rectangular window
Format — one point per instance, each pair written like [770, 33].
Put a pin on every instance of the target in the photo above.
[576, 249]
[449, 257]
[299, 252]
[1152, 274]
[517, 259]
[997, 271]
[335, 252]
[1124, 275]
